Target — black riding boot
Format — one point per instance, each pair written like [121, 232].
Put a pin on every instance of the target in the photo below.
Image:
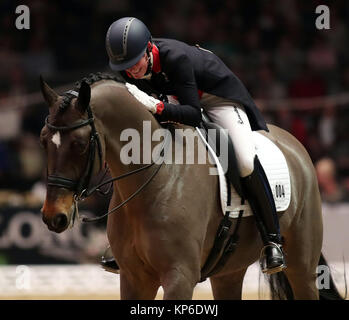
[108, 262]
[259, 195]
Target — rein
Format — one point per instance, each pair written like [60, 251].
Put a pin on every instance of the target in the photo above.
[161, 154]
[81, 187]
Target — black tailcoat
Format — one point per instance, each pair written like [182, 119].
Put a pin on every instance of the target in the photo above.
[185, 70]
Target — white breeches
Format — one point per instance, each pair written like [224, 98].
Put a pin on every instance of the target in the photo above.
[233, 117]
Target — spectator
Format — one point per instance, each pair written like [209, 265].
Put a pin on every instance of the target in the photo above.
[327, 127]
[321, 56]
[273, 47]
[288, 60]
[331, 190]
[307, 85]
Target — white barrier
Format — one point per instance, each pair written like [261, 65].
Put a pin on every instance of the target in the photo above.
[336, 236]
[92, 282]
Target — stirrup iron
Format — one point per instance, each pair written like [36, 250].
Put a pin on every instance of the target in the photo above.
[263, 259]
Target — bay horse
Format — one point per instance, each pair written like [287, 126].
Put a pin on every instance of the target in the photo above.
[163, 236]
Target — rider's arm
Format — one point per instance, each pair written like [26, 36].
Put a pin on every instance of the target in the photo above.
[180, 72]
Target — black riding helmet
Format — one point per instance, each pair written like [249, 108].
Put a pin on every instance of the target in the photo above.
[126, 42]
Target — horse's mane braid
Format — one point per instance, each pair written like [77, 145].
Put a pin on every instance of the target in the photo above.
[90, 79]
[94, 77]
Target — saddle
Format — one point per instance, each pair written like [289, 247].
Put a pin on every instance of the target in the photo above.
[231, 191]
[232, 165]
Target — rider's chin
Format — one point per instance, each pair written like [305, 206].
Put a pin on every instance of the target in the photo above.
[137, 75]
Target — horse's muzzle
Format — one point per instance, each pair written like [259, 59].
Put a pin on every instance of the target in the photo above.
[57, 223]
[57, 210]
[60, 221]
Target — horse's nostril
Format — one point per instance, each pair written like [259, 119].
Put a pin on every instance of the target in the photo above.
[44, 219]
[60, 221]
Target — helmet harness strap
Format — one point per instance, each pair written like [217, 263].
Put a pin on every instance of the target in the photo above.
[149, 57]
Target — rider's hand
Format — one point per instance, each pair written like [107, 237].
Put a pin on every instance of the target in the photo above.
[152, 104]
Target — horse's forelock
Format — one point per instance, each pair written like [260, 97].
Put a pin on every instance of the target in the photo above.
[59, 110]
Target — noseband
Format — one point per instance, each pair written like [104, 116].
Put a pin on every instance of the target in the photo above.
[80, 187]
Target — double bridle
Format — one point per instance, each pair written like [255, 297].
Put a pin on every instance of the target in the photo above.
[81, 186]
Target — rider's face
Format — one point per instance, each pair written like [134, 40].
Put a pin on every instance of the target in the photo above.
[140, 68]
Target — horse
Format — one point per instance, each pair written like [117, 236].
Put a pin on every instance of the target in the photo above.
[163, 236]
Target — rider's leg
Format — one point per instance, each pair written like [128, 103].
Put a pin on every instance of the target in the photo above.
[254, 182]
[260, 197]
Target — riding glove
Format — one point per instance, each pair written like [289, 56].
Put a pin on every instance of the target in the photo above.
[152, 104]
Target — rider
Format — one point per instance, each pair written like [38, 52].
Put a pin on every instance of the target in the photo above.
[198, 78]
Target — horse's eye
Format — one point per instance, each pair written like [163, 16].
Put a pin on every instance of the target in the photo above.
[42, 143]
[79, 145]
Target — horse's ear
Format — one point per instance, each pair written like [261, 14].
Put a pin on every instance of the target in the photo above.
[49, 94]
[84, 97]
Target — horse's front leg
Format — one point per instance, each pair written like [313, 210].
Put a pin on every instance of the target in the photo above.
[140, 286]
[178, 283]
[176, 258]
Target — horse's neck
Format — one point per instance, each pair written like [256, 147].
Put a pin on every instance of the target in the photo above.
[122, 122]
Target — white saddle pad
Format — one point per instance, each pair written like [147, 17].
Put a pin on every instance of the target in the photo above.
[276, 169]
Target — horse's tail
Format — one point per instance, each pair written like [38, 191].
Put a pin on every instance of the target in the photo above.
[330, 293]
[280, 288]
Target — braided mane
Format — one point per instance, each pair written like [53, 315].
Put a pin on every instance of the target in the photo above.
[90, 79]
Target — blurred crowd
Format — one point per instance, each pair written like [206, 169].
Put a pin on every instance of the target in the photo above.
[272, 45]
